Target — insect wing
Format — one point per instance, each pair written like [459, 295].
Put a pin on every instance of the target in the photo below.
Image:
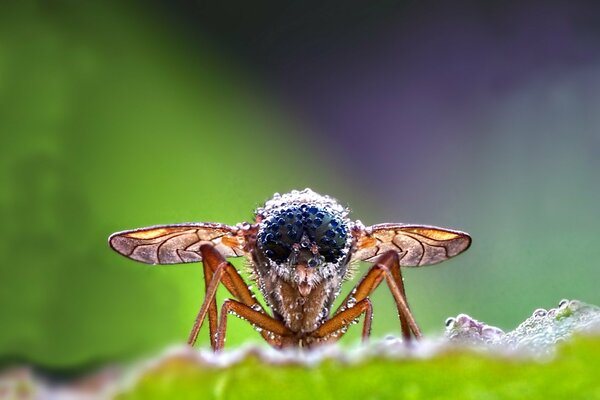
[178, 243]
[416, 245]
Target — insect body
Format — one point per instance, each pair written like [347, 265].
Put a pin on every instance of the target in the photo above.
[301, 249]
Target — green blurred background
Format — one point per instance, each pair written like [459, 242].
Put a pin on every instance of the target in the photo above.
[115, 116]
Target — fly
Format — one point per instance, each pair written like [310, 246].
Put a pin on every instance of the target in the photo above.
[301, 248]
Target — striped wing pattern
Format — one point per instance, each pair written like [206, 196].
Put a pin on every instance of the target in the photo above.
[178, 243]
[416, 245]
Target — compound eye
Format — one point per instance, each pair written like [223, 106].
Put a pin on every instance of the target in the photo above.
[330, 234]
[273, 240]
[276, 251]
[331, 245]
[303, 225]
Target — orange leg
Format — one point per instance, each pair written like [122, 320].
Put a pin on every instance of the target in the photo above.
[259, 320]
[212, 309]
[218, 270]
[387, 267]
[397, 277]
[345, 318]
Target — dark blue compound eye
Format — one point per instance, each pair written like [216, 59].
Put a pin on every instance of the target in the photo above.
[329, 232]
[276, 251]
[284, 229]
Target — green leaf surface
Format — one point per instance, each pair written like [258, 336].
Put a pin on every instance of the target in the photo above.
[573, 374]
[554, 354]
[472, 361]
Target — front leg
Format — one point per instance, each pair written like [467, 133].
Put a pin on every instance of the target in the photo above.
[344, 318]
[387, 267]
[260, 320]
[218, 270]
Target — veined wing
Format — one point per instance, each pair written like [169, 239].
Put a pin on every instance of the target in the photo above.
[177, 243]
[416, 245]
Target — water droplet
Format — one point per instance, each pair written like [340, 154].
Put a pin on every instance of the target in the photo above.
[563, 303]
[351, 302]
[575, 305]
[540, 312]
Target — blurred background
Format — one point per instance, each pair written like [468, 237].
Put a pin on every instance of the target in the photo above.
[116, 115]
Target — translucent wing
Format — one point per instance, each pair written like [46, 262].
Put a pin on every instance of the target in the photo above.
[178, 243]
[417, 245]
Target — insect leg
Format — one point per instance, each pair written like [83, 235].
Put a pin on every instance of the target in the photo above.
[396, 284]
[345, 318]
[385, 268]
[212, 308]
[217, 269]
[208, 303]
[258, 319]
